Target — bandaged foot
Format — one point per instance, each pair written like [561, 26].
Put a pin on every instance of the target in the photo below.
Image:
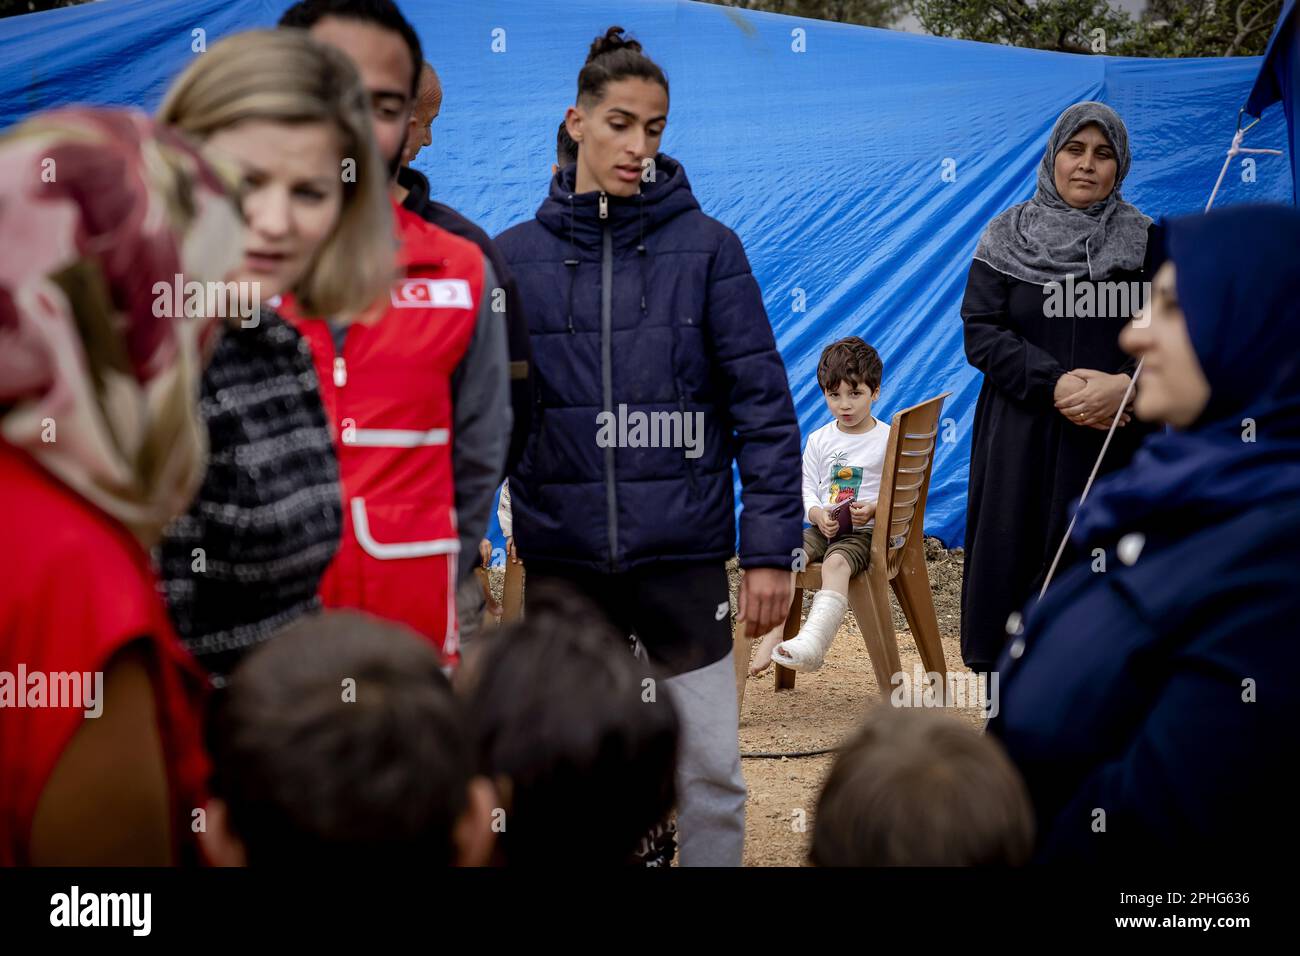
[806, 650]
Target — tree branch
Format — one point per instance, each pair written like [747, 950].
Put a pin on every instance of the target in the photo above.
[1246, 29]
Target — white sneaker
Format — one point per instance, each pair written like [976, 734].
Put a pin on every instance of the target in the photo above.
[807, 650]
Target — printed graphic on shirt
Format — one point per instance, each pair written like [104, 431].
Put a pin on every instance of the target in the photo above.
[846, 480]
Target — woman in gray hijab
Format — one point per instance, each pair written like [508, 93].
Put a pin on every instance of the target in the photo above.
[1053, 282]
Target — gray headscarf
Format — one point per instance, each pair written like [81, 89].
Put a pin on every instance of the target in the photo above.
[1046, 239]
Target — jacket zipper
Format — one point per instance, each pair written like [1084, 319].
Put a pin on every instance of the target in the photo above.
[339, 343]
[340, 378]
[607, 374]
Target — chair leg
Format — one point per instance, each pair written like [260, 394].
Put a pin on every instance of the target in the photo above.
[869, 599]
[784, 676]
[741, 648]
[512, 593]
[912, 587]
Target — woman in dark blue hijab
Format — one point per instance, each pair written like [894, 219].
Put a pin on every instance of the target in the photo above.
[1148, 700]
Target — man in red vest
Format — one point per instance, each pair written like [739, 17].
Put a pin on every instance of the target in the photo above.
[419, 398]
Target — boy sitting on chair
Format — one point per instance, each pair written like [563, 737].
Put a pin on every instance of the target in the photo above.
[842, 462]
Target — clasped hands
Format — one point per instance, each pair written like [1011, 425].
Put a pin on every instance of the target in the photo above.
[1091, 398]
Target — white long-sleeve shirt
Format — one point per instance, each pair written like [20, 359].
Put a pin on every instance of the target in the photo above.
[837, 465]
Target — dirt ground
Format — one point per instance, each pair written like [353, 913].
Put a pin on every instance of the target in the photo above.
[822, 709]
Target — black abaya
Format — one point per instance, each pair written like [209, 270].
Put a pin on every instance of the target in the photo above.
[1028, 463]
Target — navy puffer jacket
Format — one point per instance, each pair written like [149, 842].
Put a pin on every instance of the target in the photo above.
[646, 305]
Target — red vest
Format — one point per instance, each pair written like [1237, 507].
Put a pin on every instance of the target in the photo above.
[387, 394]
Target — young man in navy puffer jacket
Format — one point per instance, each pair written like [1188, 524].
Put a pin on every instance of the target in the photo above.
[648, 330]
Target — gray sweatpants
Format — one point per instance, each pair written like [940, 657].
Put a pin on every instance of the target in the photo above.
[469, 609]
[710, 786]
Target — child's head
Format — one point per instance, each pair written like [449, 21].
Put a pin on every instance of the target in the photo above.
[578, 734]
[849, 374]
[566, 150]
[916, 787]
[339, 741]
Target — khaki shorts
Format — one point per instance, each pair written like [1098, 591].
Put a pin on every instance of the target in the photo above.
[854, 547]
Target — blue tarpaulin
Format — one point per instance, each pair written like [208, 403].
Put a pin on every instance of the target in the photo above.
[1279, 80]
[859, 166]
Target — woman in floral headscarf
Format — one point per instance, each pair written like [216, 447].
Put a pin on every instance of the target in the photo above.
[100, 447]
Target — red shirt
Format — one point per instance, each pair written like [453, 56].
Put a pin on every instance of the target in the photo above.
[77, 588]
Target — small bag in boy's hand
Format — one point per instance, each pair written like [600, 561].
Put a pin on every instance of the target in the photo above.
[843, 517]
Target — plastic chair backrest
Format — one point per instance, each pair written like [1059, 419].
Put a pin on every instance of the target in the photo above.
[905, 481]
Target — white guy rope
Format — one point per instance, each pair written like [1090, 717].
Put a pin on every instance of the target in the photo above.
[1233, 150]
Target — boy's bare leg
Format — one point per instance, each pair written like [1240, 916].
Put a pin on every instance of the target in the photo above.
[835, 575]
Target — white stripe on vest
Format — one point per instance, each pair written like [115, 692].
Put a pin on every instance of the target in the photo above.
[403, 549]
[395, 437]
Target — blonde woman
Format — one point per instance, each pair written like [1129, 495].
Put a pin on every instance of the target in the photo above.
[289, 118]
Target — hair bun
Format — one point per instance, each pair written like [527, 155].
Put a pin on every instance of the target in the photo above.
[611, 42]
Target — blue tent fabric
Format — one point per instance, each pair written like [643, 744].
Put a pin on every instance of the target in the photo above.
[858, 166]
[1279, 79]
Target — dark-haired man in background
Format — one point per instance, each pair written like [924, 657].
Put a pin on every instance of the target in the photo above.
[419, 399]
[566, 150]
[412, 190]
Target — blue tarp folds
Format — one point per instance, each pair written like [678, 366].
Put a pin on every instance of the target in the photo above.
[824, 146]
[1279, 79]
